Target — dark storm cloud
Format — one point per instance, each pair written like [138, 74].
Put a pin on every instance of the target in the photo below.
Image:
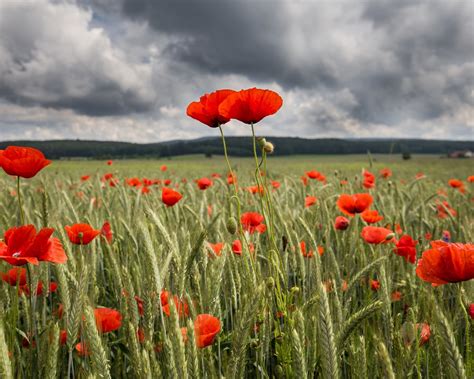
[400, 69]
[344, 68]
[52, 56]
[232, 36]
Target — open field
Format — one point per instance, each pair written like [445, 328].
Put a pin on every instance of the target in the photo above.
[355, 310]
[441, 168]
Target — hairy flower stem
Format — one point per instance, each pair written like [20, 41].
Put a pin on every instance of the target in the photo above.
[20, 203]
[236, 194]
[263, 202]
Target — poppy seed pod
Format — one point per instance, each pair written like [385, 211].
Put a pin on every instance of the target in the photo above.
[268, 147]
[261, 142]
[231, 225]
[295, 290]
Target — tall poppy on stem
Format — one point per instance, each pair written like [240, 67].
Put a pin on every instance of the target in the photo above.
[250, 105]
[206, 110]
[24, 162]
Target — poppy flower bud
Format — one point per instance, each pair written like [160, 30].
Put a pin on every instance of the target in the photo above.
[341, 223]
[261, 142]
[295, 290]
[231, 225]
[268, 147]
[271, 283]
[389, 236]
[254, 343]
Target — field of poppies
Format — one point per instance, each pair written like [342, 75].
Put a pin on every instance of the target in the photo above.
[333, 267]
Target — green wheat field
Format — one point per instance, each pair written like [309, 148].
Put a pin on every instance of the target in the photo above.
[282, 314]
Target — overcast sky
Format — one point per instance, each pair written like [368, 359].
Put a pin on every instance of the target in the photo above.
[126, 69]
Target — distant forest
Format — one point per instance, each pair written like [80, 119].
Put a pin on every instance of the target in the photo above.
[240, 146]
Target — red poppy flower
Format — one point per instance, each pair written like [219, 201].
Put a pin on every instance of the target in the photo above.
[23, 245]
[374, 285]
[85, 177]
[204, 183]
[385, 173]
[15, 276]
[251, 105]
[81, 234]
[25, 162]
[470, 179]
[341, 223]
[133, 182]
[446, 263]
[371, 216]
[163, 168]
[170, 197]
[53, 287]
[62, 337]
[107, 177]
[276, 184]
[396, 296]
[106, 232]
[304, 179]
[141, 309]
[252, 222]
[406, 247]
[309, 201]
[206, 328]
[369, 180]
[82, 349]
[181, 306]
[216, 247]
[316, 175]
[444, 208]
[455, 183]
[107, 319]
[376, 235]
[206, 109]
[352, 204]
[256, 189]
[309, 254]
[471, 311]
[425, 332]
[237, 247]
[109, 163]
[304, 252]
[231, 179]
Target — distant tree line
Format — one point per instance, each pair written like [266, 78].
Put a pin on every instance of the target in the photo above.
[241, 146]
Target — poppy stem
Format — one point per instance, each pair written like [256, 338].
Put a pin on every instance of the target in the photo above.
[34, 331]
[20, 203]
[234, 182]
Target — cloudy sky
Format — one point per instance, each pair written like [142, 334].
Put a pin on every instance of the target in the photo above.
[126, 69]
